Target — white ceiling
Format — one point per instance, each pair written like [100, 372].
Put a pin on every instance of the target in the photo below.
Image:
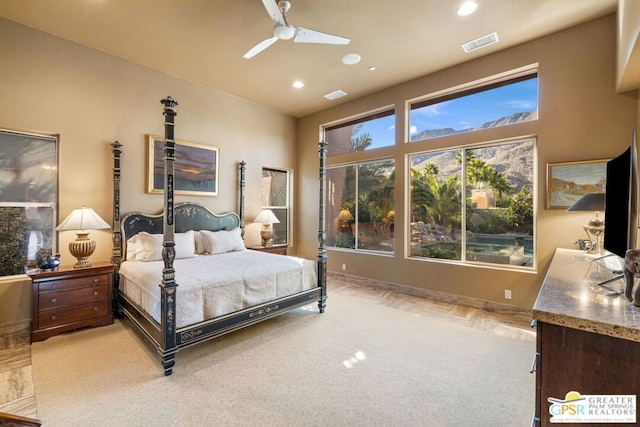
[203, 40]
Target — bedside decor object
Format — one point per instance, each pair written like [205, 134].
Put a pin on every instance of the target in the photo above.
[47, 261]
[81, 220]
[593, 202]
[266, 217]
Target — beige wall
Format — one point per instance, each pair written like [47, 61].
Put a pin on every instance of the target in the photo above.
[580, 118]
[92, 99]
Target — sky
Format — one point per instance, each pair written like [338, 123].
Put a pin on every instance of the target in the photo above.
[460, 113]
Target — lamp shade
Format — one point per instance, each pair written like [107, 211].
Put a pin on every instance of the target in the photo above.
[266, 216]
[345, 215]
[589, 202]
[82, 219]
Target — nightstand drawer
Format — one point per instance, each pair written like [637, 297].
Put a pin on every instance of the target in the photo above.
[61, 316]
[69, 298]
[73, 297]
[78, 282]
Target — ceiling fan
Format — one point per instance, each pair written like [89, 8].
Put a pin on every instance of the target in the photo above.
[284, 31]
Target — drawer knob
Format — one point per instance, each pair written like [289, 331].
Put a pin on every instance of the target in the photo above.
[53, 317]
[54, 300]
[95, 308]
[95, 293]
[95, 280]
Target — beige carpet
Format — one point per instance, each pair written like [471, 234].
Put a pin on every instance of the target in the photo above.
[358, 364]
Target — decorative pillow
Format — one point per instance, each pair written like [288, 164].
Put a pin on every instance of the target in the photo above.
[219, 242]
[200, 249]
[148, 247]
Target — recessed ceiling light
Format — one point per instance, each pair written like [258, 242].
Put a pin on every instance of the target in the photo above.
[467, 8]
[372, 68]
[351, 58]
[298, 84]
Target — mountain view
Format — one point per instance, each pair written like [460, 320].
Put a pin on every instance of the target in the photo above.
[512, 160]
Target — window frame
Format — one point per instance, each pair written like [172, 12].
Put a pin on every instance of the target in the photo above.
[386, 111]
[30, 264]
[287, 207]
[481, 85]
[464, 204]
[356, 203]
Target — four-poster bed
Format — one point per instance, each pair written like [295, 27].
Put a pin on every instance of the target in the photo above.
[185, 276]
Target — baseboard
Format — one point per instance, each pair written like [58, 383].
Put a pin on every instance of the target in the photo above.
[479, 304]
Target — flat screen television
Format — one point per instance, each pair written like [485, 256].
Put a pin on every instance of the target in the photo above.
[621, 201]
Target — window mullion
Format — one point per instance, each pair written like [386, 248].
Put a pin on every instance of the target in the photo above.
[463, 205]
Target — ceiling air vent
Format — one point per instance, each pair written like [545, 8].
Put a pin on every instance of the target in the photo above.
[480, 42]
[335, 95]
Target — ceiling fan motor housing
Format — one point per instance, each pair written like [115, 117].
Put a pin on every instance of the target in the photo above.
[284, 32]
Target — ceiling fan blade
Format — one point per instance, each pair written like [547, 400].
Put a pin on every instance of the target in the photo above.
[305, 35]
[274, 11]
[260, 47]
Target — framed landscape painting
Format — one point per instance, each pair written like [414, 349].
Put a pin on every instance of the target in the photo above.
[568, 182]
[196, 168]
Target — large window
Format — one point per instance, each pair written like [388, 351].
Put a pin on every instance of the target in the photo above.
[28, 200]
[365, 133]
[498, 104]
[275, 196]
[360, 206]
[485, 191]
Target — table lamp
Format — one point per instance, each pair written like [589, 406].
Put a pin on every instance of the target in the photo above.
[81, 220]
[593, 202]
[266, 217]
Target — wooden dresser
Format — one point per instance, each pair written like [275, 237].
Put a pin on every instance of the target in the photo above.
[68, 298]
[275, 249]
[588, 340]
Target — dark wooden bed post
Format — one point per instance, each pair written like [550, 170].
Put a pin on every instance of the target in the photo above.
[116, 252]
[168, 287]
[322, 232]
[242, 180]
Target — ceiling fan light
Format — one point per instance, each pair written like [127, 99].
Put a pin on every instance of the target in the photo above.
[284, 32]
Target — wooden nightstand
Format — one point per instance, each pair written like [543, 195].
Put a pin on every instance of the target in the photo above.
[68, 298]
[276, 249]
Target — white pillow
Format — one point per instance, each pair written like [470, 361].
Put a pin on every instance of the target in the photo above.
[219, 242]
[185, 244]
[148, 247]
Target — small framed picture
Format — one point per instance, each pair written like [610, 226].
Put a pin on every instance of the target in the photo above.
[567, 182]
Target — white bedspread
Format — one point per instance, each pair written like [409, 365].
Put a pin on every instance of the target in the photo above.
[214, 285]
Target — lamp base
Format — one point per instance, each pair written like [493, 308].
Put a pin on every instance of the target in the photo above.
[82, 248]
[267, 235]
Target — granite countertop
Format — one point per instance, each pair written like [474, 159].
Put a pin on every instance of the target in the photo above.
[571, 296]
